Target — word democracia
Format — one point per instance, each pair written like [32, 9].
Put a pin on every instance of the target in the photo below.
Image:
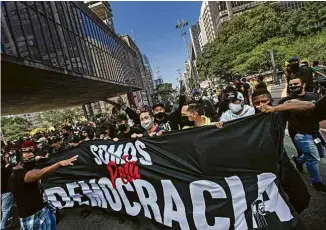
[166, 205]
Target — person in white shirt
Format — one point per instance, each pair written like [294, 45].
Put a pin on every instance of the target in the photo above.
[237, 108]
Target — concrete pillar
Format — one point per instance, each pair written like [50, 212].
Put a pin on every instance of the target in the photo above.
[229, 9]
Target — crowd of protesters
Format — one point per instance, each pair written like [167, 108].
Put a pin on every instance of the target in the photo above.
[225, 103]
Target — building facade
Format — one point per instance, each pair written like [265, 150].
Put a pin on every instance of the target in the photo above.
[103, 10]
[194, 35]
[209, 21]
[147, 85]
[149, 74]
[293, 4]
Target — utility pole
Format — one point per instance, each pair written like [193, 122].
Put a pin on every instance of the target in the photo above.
[181, 25]
[271, 53]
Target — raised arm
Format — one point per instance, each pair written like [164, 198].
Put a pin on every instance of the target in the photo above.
[33, 176]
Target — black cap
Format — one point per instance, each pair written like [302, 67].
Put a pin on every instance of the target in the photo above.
[294, 59]
[121, 117]
[158, 104]
[67, 127]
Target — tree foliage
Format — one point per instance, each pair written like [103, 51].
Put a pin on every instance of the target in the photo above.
[62, 116]
[164, 91]
[243, 43]
[14, 128]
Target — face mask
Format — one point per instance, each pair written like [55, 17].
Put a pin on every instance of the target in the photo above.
[160, 116]
[296, 89]
[185, 121]
[65, 134]
[147, 124]
[122, 127]
[40, 145]
[294, 67]
[29, 165]
[235, 107]
[197, 98]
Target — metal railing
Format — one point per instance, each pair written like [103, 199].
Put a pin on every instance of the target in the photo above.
[70, 36]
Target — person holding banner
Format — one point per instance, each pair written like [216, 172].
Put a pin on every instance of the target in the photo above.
[147, 121]
[290, 179]
[237, 108]
[24, 183]
[195, 115]
[125, 131]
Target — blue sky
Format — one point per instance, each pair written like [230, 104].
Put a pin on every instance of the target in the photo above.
[153, 25]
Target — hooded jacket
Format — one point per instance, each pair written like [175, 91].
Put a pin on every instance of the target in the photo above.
[229, 116]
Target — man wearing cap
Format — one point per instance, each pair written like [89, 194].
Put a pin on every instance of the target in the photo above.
[237, 108]
[125, 131]
[305, 71]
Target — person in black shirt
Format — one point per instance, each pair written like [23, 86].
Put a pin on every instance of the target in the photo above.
[69, 139]
[290, 179]
[206, 106]
[296, 105]
[261, 84]
[125, 131]
[304, 130]
[7, 200]
[167, 121]
[25, 186]
[304, 71]
[246, 90]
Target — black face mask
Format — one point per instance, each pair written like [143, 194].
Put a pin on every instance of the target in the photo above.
[122, 127]
[294, 67]
[160, 116]
[29, 165]
[296, 89]
[185, 121]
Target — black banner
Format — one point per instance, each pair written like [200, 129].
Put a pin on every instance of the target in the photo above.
[195, 179]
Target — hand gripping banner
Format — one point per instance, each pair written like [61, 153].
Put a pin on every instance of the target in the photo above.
[205, 178]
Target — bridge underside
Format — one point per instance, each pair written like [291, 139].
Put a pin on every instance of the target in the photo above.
[26, 89]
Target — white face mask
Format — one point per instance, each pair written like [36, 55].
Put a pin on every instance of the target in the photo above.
[147, 124]
[197, 98]
[235, 107]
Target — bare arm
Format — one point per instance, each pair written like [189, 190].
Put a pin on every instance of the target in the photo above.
[33, 176]
[292, 106]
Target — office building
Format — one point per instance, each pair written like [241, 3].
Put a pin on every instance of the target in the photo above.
[293, 4]
[158, 81]
[103, 10]
[147, 86]
[149, 74]
[33, 118]
[209, 21]
[194, 35]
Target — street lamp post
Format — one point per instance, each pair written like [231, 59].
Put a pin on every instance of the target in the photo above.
[181, 25]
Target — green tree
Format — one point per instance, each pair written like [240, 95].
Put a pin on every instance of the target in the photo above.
[243, 43]
[62, 116]
[164, 91]
[14, 128]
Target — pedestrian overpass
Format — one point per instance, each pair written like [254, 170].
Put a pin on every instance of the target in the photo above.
[60, 54]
